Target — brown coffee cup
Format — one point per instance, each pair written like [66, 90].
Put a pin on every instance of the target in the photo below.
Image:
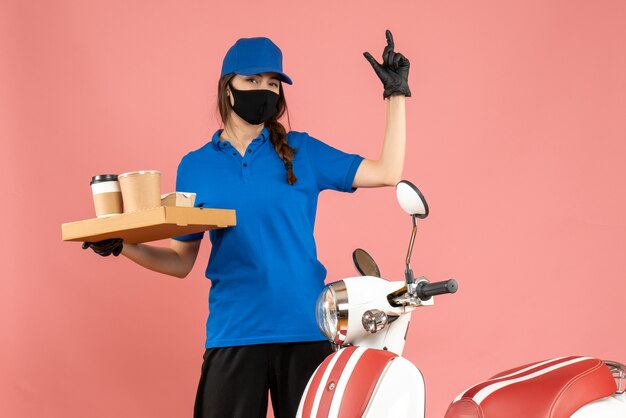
[107, 197]
[141, 190]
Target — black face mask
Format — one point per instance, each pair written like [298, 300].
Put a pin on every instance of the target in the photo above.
[254, 106]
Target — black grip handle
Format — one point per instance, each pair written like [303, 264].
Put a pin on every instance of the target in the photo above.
[426, 290]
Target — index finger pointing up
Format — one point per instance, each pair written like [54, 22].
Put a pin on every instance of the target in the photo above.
[389, 39]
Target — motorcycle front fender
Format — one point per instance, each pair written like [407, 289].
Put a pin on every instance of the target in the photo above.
[360, 382]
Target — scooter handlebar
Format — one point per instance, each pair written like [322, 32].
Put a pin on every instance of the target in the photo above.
[426, 290]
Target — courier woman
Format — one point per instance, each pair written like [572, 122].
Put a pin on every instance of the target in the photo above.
[261, 334]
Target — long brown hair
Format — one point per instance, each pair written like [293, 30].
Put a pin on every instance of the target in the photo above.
[278, 134]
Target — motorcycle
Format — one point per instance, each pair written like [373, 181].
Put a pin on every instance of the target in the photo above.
[367, 319]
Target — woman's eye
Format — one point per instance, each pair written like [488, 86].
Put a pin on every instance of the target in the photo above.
[252, 80]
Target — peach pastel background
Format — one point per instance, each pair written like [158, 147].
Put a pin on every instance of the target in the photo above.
[516, 135]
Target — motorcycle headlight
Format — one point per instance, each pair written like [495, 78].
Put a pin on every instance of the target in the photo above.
[332, 312]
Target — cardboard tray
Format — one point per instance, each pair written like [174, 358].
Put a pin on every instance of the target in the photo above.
[149, 225]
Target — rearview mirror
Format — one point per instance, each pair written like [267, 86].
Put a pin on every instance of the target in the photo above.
[411, 200]
[364, 263]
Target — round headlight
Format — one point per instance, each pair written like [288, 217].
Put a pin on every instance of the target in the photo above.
[332, 312]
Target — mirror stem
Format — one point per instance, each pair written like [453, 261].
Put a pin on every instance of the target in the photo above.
[408, 273]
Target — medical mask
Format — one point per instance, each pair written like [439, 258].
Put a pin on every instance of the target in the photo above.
[254, 106]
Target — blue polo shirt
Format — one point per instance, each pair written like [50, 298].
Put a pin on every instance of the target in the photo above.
[264, 272]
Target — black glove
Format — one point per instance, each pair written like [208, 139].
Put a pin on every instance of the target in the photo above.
[106, 247]
[394, 71]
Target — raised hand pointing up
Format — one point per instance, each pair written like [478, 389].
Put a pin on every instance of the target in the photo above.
[393, 72]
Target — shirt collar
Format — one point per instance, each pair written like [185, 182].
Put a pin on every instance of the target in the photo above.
[219, 144]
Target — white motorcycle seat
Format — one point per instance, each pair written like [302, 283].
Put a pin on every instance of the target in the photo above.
[554, 388]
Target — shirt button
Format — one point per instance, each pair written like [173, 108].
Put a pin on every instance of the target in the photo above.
[245, 165]
[234, 153]
[249, 151]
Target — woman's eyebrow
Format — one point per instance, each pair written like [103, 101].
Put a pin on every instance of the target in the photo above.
[273, 77]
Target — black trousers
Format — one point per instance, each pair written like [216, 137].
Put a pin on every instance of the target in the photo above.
[235, 380]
